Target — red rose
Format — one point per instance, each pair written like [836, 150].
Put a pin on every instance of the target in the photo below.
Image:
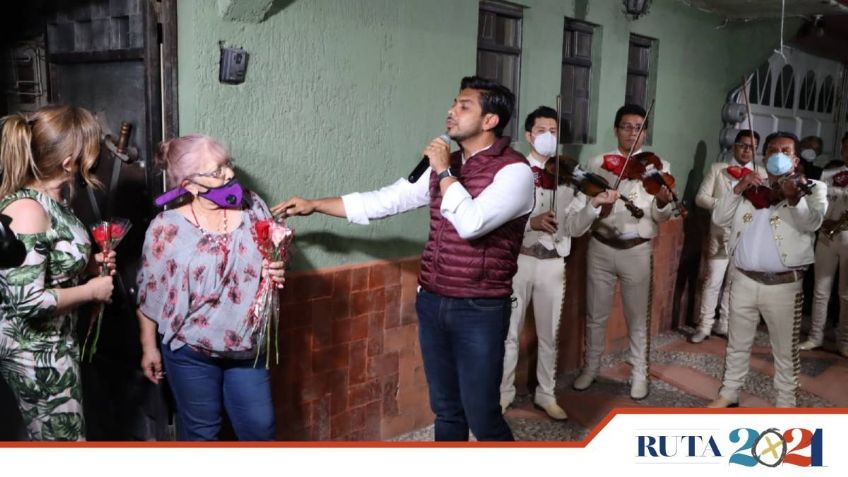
[116, 230]
[263, 228]
[101, 234]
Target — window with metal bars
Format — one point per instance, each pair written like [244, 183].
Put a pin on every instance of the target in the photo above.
[639, 69]
[576, 82]
[499, 49]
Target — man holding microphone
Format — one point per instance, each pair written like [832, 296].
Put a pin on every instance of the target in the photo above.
[480, 197]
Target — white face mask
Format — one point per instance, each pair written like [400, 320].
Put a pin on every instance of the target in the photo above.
[808, 155]
[545, 144]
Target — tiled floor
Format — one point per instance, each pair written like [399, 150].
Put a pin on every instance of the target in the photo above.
[682, 375]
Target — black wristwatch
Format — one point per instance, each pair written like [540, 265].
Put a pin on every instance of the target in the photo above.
[445, 173]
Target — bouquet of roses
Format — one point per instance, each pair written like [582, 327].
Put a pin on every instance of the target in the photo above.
[273, 238]
[107, 234]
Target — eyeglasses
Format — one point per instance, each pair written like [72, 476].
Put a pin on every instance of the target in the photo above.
[744, 147]
[627, 127]
[219, 173]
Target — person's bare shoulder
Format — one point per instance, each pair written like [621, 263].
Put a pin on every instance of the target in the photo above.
[28, 217]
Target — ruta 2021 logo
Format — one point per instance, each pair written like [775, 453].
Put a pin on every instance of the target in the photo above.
[748, 447]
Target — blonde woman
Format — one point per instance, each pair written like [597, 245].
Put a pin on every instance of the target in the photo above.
[40, 155]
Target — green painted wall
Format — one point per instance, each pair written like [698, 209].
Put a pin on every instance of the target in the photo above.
[342, 95]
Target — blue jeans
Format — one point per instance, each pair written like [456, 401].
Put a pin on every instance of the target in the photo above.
[204, 387]
[462, 344]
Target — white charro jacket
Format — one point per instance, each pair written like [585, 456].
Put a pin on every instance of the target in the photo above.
[837, 194]
[715, 185]
[793, 228]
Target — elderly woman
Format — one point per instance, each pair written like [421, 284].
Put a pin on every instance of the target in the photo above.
[40, 154]
[200, 274]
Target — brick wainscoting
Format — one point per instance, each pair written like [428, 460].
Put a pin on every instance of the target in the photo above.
[350, 365]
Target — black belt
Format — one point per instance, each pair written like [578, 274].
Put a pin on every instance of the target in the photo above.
[619, 243]
[772, 278]
[539, 251]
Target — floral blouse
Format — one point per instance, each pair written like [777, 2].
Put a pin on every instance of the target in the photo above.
[199, 286]
[55, 259]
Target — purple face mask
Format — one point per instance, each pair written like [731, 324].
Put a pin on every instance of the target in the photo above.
[227, 196]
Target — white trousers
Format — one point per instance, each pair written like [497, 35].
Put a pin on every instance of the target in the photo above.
[830, 255]
[632, 268]
[780, 306]
[541, 282]
[716, 282]
[715, 285]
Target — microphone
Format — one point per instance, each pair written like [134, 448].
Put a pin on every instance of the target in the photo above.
[425, 162]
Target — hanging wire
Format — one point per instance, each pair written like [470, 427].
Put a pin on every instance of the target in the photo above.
[782, 17]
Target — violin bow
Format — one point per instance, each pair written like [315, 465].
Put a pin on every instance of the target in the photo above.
[750, 119]
[556, 154]
[633, 146]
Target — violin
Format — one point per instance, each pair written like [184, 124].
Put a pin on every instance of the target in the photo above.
[764, 196]
[801, 183]
[588, 183]
[566, 165]
[647, 167]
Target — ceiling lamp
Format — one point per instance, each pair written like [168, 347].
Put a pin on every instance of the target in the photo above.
[634, 9]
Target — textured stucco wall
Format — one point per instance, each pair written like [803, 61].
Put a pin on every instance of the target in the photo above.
[342, 95]
[698, 63]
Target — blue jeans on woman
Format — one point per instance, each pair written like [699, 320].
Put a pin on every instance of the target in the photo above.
[204, 387]
[462, 345]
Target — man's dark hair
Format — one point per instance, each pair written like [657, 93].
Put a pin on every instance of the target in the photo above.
[813, 142]
[540, 112]
[495, 98]
[781, 135]
[747, 133]
[814, 139]
[845, 137]
[628, 109]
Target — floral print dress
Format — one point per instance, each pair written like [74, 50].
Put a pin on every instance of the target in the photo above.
[199, 286]
[39, 358]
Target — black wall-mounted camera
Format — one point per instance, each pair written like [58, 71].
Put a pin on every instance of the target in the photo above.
[233, 65]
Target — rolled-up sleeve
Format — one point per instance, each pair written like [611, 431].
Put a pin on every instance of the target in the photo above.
[393, 199]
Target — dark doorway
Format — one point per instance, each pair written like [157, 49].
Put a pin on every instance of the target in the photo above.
[116, 58]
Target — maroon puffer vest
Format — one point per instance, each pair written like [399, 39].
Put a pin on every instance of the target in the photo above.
[478, 268]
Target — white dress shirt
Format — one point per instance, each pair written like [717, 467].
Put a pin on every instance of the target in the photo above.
[510, 195]
[757, 250]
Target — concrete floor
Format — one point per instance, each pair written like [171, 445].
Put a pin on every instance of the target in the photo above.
[682, 375]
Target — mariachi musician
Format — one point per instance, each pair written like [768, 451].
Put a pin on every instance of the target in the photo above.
[832, 252]
[772, 228]
[716, 184]
[559, 214]
[620, 250]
